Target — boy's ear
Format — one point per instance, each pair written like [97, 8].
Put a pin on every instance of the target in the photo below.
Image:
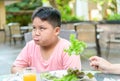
[57, 30]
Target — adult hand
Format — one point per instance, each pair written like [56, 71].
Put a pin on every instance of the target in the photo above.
[100, 64]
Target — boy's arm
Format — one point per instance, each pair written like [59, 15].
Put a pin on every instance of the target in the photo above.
[21, 61]
[15, 69]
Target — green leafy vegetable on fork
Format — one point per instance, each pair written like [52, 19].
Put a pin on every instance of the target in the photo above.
[76, 47]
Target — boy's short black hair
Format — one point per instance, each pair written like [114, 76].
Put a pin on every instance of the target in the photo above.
[49, 14]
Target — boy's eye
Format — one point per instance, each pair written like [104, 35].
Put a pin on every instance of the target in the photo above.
[42, 28]
[39, 28]
[33, 27]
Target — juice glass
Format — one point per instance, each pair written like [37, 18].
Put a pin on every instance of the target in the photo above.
[30, 74]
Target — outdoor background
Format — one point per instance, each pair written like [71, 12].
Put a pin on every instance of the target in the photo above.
[106, 13]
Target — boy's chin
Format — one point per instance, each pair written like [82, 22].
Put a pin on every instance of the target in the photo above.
[36, 42]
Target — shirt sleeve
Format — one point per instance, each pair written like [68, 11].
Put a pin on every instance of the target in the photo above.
[22, 59]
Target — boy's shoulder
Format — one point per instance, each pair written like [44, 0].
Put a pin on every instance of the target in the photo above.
[64, 41]
[31, 43]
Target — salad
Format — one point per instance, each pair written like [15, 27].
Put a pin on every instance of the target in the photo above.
[70, 75]
[76, 47]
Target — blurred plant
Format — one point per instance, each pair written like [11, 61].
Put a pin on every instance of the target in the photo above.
[113, 7]
[23, 19]
[66, 11]
[21, 11]
[24, 5]
[113, 17]
[110, 5]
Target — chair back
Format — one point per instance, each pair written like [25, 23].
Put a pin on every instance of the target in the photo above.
[86, 33]
[28, 36]
[67, 26]
[114, 37]
[7, 30]
[66, 33]
[14, 28]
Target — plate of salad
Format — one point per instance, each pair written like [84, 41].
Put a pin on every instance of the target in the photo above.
[67, 75]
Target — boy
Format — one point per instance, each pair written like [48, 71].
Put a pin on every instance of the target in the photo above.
[46, 51]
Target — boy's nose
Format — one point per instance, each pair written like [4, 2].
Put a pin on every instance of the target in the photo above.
[37, 32]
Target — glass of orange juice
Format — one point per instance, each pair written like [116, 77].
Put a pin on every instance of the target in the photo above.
[30, 74]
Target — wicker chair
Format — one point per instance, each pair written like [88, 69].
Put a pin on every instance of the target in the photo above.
[113, 38]
[66, 33]
[15, 32]
[28, 36]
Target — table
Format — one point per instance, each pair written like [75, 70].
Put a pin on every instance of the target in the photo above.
[98, 77]
[97, 35]
[25, 28]
[2, 77]
[107, 77]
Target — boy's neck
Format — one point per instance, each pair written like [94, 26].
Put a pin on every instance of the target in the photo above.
[52, 46]
[46, 52]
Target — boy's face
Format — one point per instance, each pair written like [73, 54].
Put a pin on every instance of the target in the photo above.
[43, 32]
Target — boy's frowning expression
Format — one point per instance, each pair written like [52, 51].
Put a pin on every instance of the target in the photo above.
[43, 32]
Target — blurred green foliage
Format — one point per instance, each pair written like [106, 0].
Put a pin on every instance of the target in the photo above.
[66, 11]
[113, 17]
[24, 5]
[23, 19]
[17, 12]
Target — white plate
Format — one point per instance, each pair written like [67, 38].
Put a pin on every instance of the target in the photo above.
[61, 73]
[58, 73]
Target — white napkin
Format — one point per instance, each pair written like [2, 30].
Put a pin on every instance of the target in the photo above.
[110, 79]
[13, 78]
